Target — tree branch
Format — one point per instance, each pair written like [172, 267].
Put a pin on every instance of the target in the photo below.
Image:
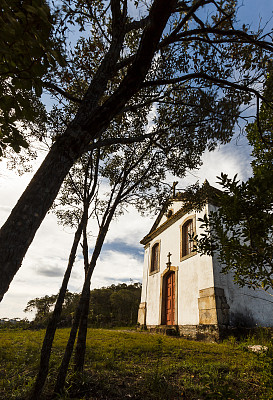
[119, 140]
[190, 13]
[65, 94]
[134, 25]
[234, 32]
[93, 15]
[187, 35]
[206, 77]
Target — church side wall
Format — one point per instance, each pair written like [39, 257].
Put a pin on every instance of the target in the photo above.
[153, 305]
[248, 307]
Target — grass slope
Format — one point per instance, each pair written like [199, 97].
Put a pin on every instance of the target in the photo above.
[138, 365]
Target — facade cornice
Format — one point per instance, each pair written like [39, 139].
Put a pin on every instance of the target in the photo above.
[175, 217]
[211, 197]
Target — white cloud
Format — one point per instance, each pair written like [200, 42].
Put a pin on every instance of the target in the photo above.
[233, 158]
[129, 228]
[115, 267]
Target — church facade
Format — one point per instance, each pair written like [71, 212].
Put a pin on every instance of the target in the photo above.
[185, 292]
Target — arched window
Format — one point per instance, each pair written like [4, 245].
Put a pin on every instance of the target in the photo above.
[155, 258]
[186, 243]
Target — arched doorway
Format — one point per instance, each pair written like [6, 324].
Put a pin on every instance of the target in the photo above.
[168, 299]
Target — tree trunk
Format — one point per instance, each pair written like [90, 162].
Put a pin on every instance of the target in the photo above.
[18, 232]
[91, 120]
[52, 325]
[60, 382]
[81, 339]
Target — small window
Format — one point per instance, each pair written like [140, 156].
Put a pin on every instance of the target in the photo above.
[187, 244]
[155, 258]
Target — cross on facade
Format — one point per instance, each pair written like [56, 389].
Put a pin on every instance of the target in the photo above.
[169, 260]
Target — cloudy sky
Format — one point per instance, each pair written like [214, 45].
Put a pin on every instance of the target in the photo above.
[122, 255]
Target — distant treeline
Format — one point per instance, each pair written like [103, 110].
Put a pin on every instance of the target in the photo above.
[115, 305]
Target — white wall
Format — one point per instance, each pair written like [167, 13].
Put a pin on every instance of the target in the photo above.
[175, 206]
[194, 273]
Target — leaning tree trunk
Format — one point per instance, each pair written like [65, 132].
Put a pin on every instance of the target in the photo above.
[91, 120]
[60, 382]
[82, 333]
[18, 232]
[81, 338]
[52, 325]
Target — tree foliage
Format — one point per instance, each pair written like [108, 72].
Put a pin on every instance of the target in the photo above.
[43, 307]
[28, 51]
[115, 305]
[240, 231]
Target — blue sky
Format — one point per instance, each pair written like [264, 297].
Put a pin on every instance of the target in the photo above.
[122, 255]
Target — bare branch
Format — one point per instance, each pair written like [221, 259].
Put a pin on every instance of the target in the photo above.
[119, 140]
[77, 191]
[95, 178]
[134, 185]
[206, 77]
[68, 96]
[234, 32]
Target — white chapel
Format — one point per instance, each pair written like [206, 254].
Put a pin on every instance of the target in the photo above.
[185, 292]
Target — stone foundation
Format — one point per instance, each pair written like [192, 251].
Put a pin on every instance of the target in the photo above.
[170, 330]
[211, 333]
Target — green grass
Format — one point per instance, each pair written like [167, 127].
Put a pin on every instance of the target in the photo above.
[139, 365]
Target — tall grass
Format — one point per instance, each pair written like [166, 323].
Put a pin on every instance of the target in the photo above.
[139, 365]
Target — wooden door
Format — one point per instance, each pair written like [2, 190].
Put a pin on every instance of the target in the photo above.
[170, 298]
